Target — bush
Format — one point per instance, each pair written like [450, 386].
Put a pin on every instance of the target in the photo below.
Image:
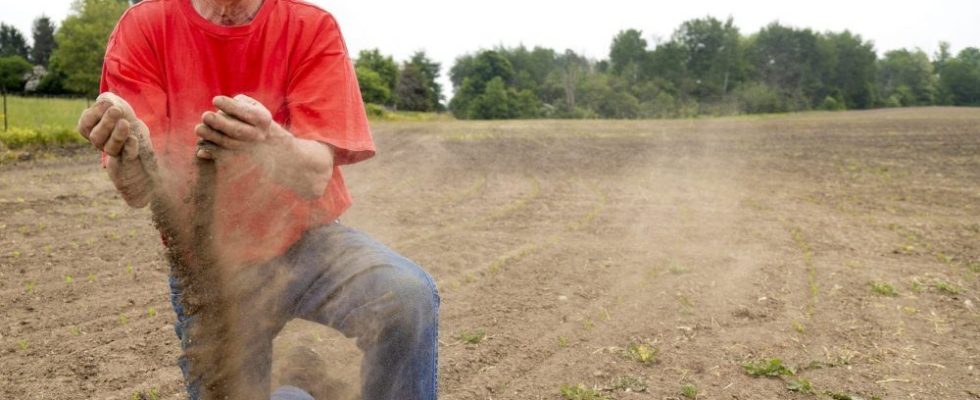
[759, 98]
[831, 103]
[44, 136]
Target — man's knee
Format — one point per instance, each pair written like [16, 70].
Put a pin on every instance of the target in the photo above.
[415, 295]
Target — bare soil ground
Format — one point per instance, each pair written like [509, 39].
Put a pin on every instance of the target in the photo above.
[846, 245]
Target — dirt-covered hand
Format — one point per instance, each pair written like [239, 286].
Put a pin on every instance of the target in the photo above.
[112, 126]
[242, 124]
[108, 125]
[239, 124]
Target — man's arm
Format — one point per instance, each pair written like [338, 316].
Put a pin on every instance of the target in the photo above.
[243, 124]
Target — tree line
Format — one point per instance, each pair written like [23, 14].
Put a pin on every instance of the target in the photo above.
[706, 67]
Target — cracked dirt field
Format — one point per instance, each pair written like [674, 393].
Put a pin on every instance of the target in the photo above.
[629, 257]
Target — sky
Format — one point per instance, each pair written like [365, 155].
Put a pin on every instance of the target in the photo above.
[446, 29]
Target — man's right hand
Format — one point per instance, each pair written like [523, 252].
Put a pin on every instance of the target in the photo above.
[111, 126]
[108, 124]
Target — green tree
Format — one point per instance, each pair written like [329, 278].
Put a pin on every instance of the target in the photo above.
[418, 88]
[791, 62]
[44, 44]
[473, 73]
[714, 55]
[12, 42]
[384, 66]
[82, 41]
[907, 78]
[374, 89]
[628, 55]
[854, 69]
[960, 78]
[12, 71]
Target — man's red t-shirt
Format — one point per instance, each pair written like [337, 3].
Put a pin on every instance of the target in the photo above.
[168, 62]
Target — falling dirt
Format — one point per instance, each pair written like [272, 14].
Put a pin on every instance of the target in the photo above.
[638, 259]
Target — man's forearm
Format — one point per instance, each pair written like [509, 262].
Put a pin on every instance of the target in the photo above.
[305, 166]
[128, 175]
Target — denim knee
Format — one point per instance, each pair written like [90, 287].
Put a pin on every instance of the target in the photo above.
[418, 299]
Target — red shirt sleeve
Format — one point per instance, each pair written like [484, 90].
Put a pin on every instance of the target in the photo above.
[324, 100]
[131, 71]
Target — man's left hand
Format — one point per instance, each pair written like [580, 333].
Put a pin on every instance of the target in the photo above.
[240, 124]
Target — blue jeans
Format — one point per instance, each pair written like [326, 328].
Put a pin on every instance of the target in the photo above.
[339, 277]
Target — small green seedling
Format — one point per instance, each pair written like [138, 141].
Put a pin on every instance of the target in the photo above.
[15, 254]
[772, 368]
[883, 289]
[974, 266]
[562, 341]
[22, 344]
[123, 320]
[91, 278]
[74, 331]
[581, 392]
[641, 353]
[689, 391]
[129, 269]
[151, 312]
[800, 386]
[916, 286]
[69, 279]
[629, 384]
[30, 287]
[947, 288]
[474, 337]
[845, 396]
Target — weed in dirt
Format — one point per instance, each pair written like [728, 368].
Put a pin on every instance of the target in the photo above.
[947, 288]
[123, 320]
[474, 337]
[91, 278]
[69, 279]
[15, 254]
[800, 386]
[974, 266]
[690, 391]
[945, 259]
[74, 331]
[883, 289]
[581, 392]
[30, 287]
[151, 394]
[798, 327]
[588, 324]
[562, 341]
[770, 368]
[642, 353]
[22, 344]
[916, 286]
[151, 312]
[129, 269]
[845, 396]
[676, 268]
[629, 384]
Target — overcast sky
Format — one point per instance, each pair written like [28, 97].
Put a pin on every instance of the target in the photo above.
[448, 28]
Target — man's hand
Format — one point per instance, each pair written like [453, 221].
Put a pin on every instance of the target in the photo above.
[242, 124]
[111, 126]
[107, 125]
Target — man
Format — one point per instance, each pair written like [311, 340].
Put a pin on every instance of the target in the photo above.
[265, 89]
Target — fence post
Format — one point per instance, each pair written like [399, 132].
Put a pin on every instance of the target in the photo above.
[5, 116]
